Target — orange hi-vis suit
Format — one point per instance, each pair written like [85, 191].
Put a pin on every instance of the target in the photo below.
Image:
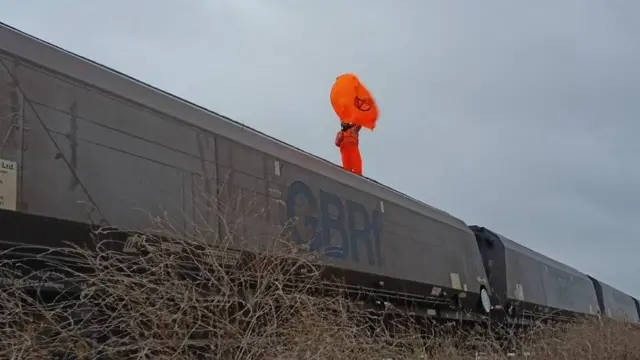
[347, 140]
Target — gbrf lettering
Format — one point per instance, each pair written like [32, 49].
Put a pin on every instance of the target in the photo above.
[319, 217]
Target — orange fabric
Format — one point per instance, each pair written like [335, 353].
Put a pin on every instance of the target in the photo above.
[350, 136]
[348, 143]
[353, 103]
[351, 160]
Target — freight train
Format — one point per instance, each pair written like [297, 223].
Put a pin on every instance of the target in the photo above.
[85, 145]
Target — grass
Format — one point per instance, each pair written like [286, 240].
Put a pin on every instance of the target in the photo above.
[196, 300]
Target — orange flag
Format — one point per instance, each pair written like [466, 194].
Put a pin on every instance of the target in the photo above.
[353, 103]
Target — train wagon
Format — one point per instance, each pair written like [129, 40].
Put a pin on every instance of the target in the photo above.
[529, 284]
[91, 145]
[615, 303]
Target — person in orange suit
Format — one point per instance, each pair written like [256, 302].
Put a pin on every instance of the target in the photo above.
[348, 142]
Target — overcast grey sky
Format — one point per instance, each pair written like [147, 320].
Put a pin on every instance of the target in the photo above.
[522, 116]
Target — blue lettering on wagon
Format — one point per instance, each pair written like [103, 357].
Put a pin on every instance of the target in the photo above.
[318, 217]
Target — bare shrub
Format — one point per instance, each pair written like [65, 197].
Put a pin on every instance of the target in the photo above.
[192, 295]
[586, 338]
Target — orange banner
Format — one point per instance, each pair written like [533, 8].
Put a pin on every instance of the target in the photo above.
[353, 103]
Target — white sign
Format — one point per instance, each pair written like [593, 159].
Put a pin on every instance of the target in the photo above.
[8, 184]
